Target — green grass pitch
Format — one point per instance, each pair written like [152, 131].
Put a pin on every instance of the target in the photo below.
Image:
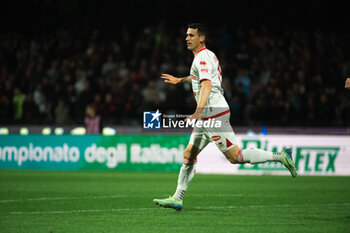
[51, 201]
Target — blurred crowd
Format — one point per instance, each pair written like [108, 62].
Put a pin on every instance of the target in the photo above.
[284, 78]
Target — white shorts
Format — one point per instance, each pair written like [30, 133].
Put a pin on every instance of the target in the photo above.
[223, 137]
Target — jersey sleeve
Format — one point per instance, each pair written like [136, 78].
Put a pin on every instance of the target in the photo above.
[204, 68]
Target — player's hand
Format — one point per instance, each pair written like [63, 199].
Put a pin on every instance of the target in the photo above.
[170, 79]
[347, 83]
[194, 116]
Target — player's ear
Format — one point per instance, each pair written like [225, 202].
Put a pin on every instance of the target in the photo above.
[202, 38]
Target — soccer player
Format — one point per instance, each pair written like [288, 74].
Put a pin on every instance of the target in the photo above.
[206, 79]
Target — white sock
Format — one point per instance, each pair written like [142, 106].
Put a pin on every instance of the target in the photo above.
[255, 155]
[185, 176]
[179, 194]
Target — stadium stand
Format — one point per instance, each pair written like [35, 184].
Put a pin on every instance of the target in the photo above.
[279, 76]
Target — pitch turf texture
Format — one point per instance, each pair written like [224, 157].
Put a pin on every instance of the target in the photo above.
[46, 201]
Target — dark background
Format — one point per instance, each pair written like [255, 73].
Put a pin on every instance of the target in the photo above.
[46, 15]
[302, 46]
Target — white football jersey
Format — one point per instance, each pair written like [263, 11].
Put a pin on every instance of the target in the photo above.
[205, 66]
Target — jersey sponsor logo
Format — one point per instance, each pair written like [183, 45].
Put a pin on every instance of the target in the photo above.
[204, 70]
[202, 63]
[216, 138]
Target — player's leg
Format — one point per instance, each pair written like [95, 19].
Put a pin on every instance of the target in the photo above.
[251, 155]
[197, 142]
[225, 140]
[187, 171]
[255, 155]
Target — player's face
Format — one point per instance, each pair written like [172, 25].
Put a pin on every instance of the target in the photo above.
[193, 40]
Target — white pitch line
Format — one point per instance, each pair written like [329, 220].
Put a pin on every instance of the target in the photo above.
[217, 195]
[232, 195]
[270, 206]
[104, 197]
[156, 209]
[61, 198]
[120, 196]
[79, 211]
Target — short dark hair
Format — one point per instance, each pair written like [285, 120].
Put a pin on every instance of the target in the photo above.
[201, 28]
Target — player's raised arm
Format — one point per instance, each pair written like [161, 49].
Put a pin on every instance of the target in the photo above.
[174, 80]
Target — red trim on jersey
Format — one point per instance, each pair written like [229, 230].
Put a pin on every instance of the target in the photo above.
[228, 143]
[204, 79]
[200, 50]
[217, 115]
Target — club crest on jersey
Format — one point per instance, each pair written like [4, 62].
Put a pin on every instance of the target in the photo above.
[193, 77]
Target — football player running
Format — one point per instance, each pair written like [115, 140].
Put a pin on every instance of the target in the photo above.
[206, 78]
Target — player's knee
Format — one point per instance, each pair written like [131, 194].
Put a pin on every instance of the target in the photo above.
[187, 153]
[233, 160]
[233, 155]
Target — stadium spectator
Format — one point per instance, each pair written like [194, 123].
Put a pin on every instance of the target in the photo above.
[85, 97]
[109, 66]
[242, 79]
[92, 120]
[150, 94]
[110, 109]
[39, 98]
[30, 110]
[302, 68]
[62, 113]
[6, 115]
[18, 102]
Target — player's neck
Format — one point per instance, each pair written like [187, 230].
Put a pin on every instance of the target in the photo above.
[199, 48]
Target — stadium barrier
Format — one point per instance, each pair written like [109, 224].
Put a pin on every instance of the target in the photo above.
[314, 155]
